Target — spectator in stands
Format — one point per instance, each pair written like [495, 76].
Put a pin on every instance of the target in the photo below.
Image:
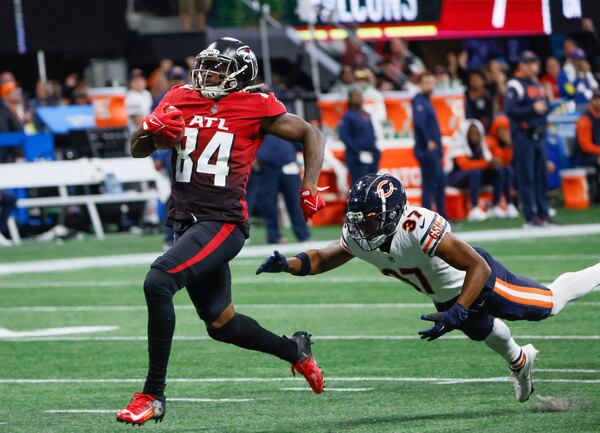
[345, 82]
[47, 94]
[587, 152]
[353, 54]
[550, 78]
[358, 135]
[443, 81]
[500, 144]
[480, 52]
[7, 205]
[279, 173]
[71, 82]
[428, 146]
[158, 82]
[189, 8]
[527, 108]
[495, 78]
[403, 63]
[473, 166]
[457, 66]
[7, 77]
[138, 100]
[373, 100]
[478, 101]
[576, 81]
[177, 75]
[569, 46]
[81, 94]
[13, 115]
[190, 64]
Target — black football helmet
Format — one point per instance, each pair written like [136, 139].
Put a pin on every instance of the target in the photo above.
[227, 65]
[375, 205]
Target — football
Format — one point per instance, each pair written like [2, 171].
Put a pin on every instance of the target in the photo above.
[164, 141]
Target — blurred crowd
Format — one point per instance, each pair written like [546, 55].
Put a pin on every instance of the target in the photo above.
[502, 144]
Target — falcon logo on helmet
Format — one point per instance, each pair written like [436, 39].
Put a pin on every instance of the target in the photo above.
[375, 205]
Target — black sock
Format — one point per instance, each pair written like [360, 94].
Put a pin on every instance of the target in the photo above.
[244, 331]
[159, 289]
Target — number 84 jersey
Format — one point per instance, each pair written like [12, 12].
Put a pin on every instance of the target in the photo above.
[212, 164]
[412, 255]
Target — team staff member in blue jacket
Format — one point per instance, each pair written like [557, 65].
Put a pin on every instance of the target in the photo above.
[279, 172]
[357, 133]
[526, 107]
[428, 146]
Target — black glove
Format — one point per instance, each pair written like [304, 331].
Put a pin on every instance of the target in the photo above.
[275, 263]
[445, 321]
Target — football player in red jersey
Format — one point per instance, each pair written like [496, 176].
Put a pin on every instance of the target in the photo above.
[215, 126]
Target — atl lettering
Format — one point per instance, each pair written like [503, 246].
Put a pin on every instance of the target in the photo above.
[208, 122]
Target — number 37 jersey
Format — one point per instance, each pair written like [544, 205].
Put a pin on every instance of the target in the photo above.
[212, 163]
[412, 255]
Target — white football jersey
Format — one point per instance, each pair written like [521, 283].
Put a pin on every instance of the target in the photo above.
[412, 255]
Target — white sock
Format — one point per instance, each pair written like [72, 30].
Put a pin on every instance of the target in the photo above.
[573, 285]
[501, 342]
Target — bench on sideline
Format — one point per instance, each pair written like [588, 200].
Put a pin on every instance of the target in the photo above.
[85, 171]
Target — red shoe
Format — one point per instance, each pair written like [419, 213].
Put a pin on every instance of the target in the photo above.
[142, 407]
[306, 364]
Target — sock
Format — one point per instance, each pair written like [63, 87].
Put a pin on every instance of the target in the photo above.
[573, 285]
[501, 342]
[519, 362]
[159, 288]
[245, 332]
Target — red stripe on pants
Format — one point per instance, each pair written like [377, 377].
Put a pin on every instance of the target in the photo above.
[214, 243]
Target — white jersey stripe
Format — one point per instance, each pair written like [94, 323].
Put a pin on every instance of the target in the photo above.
[522, 295]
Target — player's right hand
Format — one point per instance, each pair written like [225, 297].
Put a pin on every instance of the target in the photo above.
[274, 263]
[165, 120]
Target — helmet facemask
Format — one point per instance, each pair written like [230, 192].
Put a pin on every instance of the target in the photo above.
[214, 76]
[372, 230]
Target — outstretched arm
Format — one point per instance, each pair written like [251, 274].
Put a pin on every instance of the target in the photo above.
[311, 262]
[459, 255]
[462, 256]
[292, 128]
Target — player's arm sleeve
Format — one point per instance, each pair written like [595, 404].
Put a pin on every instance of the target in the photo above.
[431, 234]
[272, 106]
[584, 136]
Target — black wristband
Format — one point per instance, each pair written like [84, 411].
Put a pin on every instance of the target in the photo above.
[305, 264]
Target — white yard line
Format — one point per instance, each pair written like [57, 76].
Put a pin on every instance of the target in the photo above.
[434, 380]
[81, 411]
[323, 306]
[565, 370]
[263, 250]
[327, 389]
[143, 338]
[210, 400]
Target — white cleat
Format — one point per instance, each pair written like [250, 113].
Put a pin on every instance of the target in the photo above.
[498, 212]
[511, 211]
[4, 242]
[477, 214]
[521, 378]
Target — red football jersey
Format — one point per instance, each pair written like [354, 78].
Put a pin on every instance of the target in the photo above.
[212, 163]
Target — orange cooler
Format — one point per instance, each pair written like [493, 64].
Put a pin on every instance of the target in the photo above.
[109, 106]
[575, 188]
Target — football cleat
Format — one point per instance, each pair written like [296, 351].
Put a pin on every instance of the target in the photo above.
[521, 378]
[142, 407]
[306, 364]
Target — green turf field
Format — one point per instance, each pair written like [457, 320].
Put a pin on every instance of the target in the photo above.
[380, 377]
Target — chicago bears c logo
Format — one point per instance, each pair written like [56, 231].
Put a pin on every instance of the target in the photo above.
[381, 192]
[249, 57]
